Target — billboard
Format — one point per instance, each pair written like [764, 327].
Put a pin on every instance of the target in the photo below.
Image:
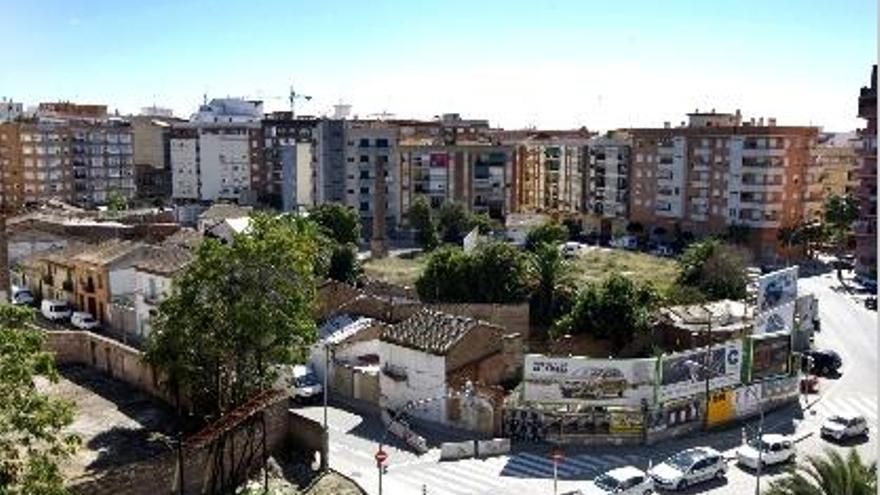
[684, 374]
[779, 319]
[747, 399]
[770, 356]
[626, 422]
[581, 379]
[721, 407]
[777, 288]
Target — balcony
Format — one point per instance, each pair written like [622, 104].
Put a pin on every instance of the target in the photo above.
[67, 285]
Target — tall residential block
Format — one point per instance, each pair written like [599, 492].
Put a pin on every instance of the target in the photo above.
[718, 172]
[217, 155]
[866, 227]
[152, 154]
[75, 153]
[833, 171]
[286, 179]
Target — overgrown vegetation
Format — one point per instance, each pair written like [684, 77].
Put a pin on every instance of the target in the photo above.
[32, 442]
[493, 273]
[235, 313]
[715, 268]
[551, 233]
[340, 228]
[453, 222]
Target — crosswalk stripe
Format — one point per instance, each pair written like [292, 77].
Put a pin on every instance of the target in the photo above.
[467, 471]
[522, 468]
[586, 463]
[547, 465]
[441, 483]
[617, 459]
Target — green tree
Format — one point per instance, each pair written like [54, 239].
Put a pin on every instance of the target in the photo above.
[493, 273]
[840, 213]
[344, 265]
[617, 309]
[419, 216]
[738, 234]
[235, 313]
[549, 233]
[717, 269]
[831, 474]
[116, 203]
[789, 237]
[551, 284]
[453, 222]
[338, 222]
[32, 438]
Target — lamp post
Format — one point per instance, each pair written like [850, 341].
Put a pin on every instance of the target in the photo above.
[708, 367]
[325, 462]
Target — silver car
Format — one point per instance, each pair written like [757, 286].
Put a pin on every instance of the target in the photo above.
[689, 467]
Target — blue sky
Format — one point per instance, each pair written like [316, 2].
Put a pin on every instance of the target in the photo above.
[546, 63]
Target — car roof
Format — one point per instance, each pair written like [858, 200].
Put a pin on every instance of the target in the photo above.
[848, 415]
[706, 451]
[625, 473]
[82, 313]
[55, 302]
[775, 438]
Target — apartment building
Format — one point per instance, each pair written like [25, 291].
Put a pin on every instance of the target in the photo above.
[287, 177]
[215, 155]
[10, 110]
[75, 153]
[551, 171]
[866, 227]
[717, 171]
[833, 171]
[371, 146]
[152, 154]
[606, 194]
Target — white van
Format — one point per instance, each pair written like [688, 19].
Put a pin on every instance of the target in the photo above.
[55, 310]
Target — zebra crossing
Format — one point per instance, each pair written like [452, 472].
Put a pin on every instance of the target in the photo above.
[864, 405]
[483, 476]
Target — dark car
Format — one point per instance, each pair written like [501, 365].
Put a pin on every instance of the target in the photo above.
[821, 362]
[871, 303]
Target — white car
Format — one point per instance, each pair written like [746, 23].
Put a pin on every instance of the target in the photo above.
[628, 242]
[305, 384]
[55, 310]
[688, 468]
[775, 449]
[84, 321]
[21, 297]
[571, 249]
[844, 425]
[626, 480]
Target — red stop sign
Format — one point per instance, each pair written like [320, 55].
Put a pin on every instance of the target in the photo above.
[381, 456]
[557, 455]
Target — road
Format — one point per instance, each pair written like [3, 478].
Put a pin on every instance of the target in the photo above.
[847, 327]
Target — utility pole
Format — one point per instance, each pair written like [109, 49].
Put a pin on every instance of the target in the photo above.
[760, 444]
[708, 365]
[325, 462]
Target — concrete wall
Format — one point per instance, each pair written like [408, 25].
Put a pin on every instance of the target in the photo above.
[425, 378]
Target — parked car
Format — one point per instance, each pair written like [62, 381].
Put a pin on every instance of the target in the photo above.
[305, 386]
[871, 303]
[774, 449]
[688, 468]
[21, 296]
[628, 242]
[662, 250]
[571, 249]
[821, 362]
[55, 310]
[627, 480]
[595, 383]
[844, 425]
[84, 321]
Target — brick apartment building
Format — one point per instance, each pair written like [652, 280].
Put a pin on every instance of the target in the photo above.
[866, 227]
[76, 153]
[716, 172]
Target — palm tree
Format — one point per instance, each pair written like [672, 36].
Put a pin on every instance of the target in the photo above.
[840, 213]
[791, 236]
[550, 272]
[831, 474]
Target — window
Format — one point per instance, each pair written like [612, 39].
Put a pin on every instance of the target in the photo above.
[365, 190]
[365, 174]
[364, 159]
[365, 206]
[364, 143]
[381, 143]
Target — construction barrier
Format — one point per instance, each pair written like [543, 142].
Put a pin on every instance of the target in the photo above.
[450, 451]
[495, 446]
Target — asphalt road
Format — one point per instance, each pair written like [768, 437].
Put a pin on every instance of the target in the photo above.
[847, 327]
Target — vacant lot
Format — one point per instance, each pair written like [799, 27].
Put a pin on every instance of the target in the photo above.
[598, 263]
[592, 265]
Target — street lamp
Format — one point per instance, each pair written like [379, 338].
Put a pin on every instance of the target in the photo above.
[325, 462]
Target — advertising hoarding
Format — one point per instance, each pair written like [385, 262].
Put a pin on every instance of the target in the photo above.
[580, 379]
[770, 356]
[747, 399]
[777, 289]
[721, 407]
[626, 422]
[684, 374]
[779, 319]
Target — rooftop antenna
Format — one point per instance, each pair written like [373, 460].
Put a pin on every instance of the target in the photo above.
[293, 97]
